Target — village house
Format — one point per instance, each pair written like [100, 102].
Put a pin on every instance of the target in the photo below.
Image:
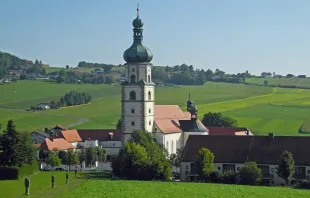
[229, 131]
[38, 137]
[231, 152]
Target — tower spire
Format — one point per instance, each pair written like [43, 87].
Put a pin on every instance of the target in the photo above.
[138, 10]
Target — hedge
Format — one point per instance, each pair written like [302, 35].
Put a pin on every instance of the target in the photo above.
[12, 173]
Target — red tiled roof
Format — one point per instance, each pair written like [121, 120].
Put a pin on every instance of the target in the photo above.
[228, 130]
[167, 118]
[99, 134]
[57, 144]
[70, 136]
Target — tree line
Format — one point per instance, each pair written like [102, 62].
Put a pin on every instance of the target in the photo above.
[89, 156]
[64, 76]
[106, 67]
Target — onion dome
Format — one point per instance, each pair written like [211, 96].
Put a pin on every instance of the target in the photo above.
[137, 51]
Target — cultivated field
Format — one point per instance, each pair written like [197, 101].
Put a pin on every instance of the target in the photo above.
[302, 82]
[262, 109]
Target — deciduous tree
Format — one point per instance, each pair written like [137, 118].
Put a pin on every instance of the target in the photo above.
[286, 166]
[204, 162]
[218, 120]
[250, 174]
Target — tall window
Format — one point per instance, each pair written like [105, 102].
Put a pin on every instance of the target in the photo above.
[132, 78]
[132, 95]
[167, 146]
[149, 95]
[148, 78]
[132, 110]
[172, 146]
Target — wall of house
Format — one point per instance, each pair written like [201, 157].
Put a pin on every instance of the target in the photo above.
[187, 134]
[111, 147]
[273, 176]
[87, 144]
[172, 142]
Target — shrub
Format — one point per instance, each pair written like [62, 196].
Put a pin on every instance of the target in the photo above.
[229, 178]
[250, 174]
[215, 177]
[8, 173]
[304, 184]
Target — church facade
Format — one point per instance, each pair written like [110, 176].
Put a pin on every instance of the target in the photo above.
[169, 125]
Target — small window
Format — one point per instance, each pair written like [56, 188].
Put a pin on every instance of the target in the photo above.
[150, 123]
[238, 168]
[113, 144]
[187, 167]
[219, 168]
[272, 169]
[155, 129]
[148, 78]
[149, 95]
[308, 171]
[149, 110]
[132, 111]
[133, 123]
[132, 95]
[133, 69]
[132, 78]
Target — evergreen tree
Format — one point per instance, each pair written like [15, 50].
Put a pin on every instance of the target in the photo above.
[286, 166]
[10, 146]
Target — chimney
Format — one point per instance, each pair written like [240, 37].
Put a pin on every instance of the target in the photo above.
[271, 136]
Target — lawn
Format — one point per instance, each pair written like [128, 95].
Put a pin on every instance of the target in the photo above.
[40, 185]
[262, 109]
[112, 188]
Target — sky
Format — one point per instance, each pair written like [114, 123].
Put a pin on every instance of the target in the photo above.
[231, 35]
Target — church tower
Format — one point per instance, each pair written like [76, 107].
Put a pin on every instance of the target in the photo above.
[138, 98]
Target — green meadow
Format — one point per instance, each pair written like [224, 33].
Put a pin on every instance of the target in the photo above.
[261, 109]
[96, 186]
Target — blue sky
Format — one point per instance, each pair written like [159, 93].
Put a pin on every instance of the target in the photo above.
[232, 35]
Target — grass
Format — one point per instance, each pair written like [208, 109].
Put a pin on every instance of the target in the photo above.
[40, 185]
[94, 185]
[112, 188]
[260, 108]
[302, 82]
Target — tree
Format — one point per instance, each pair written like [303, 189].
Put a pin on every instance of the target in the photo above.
[119, 124]
[218, 120]
[101, 154]
[27, 151]
[90, 156]
[289, 75]
[63, 156]
[286, 166]
[82, 156]
[176, 158]
[204, 162]
[265, 82]
[72, 158]
[142, 155]
[250, 174]
[53, 160]
[10, 155]
[67, 67]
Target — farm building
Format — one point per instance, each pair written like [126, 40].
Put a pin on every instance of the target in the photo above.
[231, 152]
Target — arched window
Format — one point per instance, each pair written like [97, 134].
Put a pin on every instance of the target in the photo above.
[172, 146]
[150, 123]
[148, 78]
[149, 95]
[132, 78]
[132, 95]
[149, 110]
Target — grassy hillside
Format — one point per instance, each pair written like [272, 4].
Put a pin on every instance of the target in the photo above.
[302, 82]
[262, 109]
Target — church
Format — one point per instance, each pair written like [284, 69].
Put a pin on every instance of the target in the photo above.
[169, 125]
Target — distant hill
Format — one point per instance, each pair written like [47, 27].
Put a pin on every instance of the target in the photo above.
[9, 61]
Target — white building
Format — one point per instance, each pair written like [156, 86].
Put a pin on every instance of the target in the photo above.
[169, 125]
[44, 106]
[231, 152]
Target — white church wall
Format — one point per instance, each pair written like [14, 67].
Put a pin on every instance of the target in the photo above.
[149, 108]
[172, 141]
